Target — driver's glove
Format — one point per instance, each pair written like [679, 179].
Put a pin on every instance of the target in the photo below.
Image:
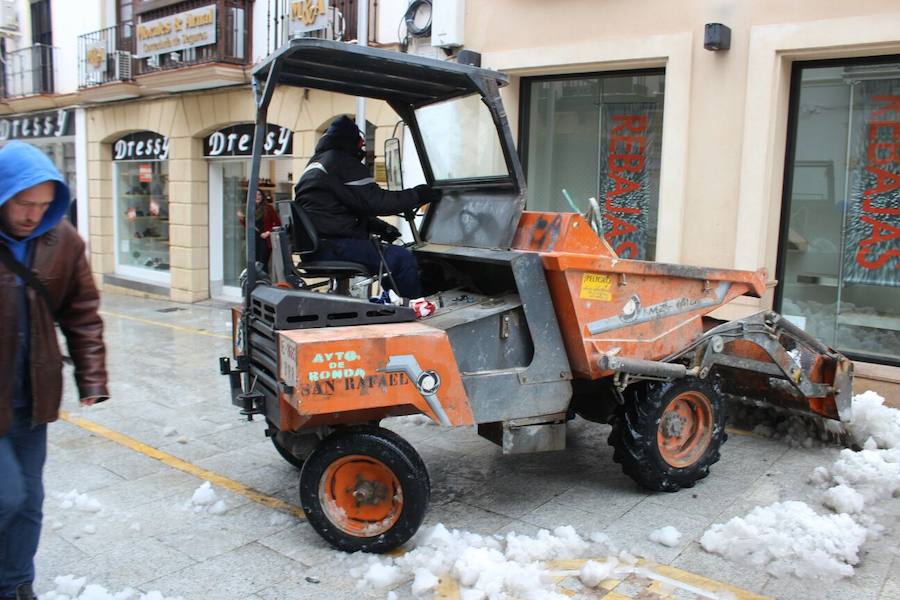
[390, 234]
[427, 194]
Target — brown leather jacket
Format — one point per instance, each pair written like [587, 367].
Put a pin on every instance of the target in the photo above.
[62, 267]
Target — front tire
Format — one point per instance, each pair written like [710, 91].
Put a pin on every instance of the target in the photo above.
[667, 435]
[364, 488]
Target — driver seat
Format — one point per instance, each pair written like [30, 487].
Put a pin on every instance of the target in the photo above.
[304, 240]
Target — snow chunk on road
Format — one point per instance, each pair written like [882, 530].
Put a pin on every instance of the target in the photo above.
[843, 499]
[872, 419]
[667, 536]
[204, 495]
[593, 573]
[81, 502]
[205, 498]
[69, 587]
[790, 538]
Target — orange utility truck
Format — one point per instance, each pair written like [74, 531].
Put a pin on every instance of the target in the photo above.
[537, 320]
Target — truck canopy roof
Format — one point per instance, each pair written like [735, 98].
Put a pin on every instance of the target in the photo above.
[395, 77]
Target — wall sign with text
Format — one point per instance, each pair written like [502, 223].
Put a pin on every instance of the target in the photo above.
[237, 140]
[141, 145]
[52, 124]
[188, 29]
[308, 15]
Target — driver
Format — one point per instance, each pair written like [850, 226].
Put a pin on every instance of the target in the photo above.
[343, 201]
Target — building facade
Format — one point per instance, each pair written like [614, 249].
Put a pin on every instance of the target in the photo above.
[776, 147]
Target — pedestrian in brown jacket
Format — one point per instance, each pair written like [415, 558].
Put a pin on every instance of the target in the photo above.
[45, 280]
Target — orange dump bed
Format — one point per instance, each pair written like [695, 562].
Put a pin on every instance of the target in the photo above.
[634, 308]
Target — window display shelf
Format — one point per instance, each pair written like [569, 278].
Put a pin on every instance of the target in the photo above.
[858, 319]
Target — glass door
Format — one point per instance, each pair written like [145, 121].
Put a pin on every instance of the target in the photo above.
[840, 242]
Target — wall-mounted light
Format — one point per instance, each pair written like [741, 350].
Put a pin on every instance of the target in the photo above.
[717, 37]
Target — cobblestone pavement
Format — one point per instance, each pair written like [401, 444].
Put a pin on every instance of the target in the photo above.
[170, 425]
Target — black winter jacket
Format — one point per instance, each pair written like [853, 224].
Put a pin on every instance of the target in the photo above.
[341, 198]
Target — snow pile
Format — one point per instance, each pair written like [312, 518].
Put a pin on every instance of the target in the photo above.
[790, 538]
[486, 567]
[843, 499]
[864, 478]
[81, 502]
[205, 498]
[873, 473]
[69, 587]
[872, 419]
[667, 536]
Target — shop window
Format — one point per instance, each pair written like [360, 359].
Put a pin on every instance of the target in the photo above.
[141, 190]
[597, 136]
[839, 263]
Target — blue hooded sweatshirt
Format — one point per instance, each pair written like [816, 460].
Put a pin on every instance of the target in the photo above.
[23, 166]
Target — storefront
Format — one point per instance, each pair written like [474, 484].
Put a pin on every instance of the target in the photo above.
[227, 151]
[597, 136]
[141, 206]
[51, 131]
[839, 261]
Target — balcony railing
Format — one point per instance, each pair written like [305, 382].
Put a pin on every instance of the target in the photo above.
[341, 21]
[29, 71]
[110, 54]
[105, 56]
[232, 37]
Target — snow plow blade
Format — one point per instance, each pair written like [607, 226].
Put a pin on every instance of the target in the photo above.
[763, 358]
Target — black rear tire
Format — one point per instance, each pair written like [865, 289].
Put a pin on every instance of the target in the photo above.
[286, 454]
[655, 440]
[358, 472]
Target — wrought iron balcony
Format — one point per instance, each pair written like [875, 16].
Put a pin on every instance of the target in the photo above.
[230, 30]
[300, 18]
[105, 56]
[29, 71]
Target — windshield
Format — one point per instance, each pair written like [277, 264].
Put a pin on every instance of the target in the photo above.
[461, 139]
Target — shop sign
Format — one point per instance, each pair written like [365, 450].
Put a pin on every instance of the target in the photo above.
[308, 15]
[145, 173]
[188, 29]
[237, 140]
[627, 190]
[37, 125]
[141, 145]
[872, 230]
[95, 57]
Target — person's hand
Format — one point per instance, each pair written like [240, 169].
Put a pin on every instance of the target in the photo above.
[427, 194]
[390, 234]
[265, 235]
[92, 400]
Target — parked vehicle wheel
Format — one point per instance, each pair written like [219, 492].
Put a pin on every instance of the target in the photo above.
[364, 488]
[667, 435]
[286, 454]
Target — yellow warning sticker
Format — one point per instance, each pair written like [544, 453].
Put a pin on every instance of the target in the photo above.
[596, 287]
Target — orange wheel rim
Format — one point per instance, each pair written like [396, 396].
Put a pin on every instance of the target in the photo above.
[361, 495]
[685, 429]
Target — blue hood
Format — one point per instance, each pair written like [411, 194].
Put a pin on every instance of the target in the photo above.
[23, 166]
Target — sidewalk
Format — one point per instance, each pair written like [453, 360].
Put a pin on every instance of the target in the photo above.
[140, 518]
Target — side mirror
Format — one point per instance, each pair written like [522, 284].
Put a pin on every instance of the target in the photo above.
[392, 164]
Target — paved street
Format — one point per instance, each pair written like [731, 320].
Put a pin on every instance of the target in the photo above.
[140, 457]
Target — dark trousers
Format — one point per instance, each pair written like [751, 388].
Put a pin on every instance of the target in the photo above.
[23, 450]
[400, 261]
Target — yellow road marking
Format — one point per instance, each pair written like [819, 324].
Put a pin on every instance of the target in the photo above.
[706, 584]
[182, 465]
[447, 589]
[193, 330]
[737, 431]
